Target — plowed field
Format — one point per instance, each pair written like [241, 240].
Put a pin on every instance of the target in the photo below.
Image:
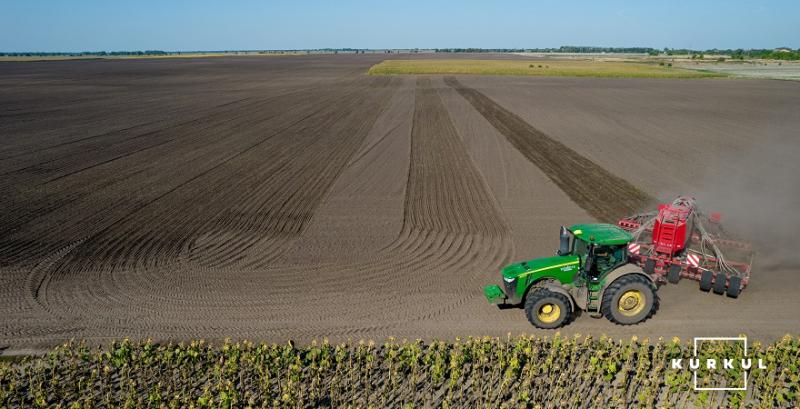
[297, 197]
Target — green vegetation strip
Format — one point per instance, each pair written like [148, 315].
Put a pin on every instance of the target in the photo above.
[482, 372]
[559, 68]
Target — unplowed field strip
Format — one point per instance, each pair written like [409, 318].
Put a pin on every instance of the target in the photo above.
[602, 194]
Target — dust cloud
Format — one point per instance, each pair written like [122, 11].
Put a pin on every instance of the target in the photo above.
[758, 194]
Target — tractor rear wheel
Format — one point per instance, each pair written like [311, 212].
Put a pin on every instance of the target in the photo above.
[630, 300]
[547, 309]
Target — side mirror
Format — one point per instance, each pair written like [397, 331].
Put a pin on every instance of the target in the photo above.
[563, 249]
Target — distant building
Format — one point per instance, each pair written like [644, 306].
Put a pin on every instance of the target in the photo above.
[783, 50]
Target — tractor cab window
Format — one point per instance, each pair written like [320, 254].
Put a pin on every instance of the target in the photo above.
[608, 257]
[580, 248]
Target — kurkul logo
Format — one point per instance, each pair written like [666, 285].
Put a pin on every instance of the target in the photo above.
[719, 363]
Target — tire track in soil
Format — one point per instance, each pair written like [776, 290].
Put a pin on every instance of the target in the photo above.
[603, 195]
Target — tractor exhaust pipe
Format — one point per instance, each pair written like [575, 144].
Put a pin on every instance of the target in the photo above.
[563, 249]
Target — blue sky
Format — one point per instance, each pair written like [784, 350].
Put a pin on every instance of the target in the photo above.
[89, 25]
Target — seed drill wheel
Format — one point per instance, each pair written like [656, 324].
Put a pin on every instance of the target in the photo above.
[705, 280]
[734, 287]
[719, 284]
[629, 300]
[547, 309]
[674, 274]
[650, 266]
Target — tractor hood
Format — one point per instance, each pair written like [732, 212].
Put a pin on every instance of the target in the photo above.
[540, 264]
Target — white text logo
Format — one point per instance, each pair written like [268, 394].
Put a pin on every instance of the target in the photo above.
[719, 363]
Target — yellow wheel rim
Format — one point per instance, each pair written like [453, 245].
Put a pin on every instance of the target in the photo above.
[631, 303]
[548, 313]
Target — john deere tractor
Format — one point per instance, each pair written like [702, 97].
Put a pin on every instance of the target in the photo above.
[590, 272]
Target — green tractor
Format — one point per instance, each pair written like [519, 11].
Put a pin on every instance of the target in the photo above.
[591, 272]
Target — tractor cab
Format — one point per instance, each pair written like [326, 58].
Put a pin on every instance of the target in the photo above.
[600, 248]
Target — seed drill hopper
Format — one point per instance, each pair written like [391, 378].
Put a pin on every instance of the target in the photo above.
[680, 241]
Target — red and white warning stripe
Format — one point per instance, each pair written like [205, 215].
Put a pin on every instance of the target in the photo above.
[633, 248]
[693, 259]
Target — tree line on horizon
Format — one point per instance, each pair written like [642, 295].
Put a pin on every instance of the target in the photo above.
[783, 53]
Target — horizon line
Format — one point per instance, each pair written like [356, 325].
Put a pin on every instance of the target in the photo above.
[599, 49]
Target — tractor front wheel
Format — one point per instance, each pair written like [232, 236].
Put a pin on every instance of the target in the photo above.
[630, 300]
[547, 309]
